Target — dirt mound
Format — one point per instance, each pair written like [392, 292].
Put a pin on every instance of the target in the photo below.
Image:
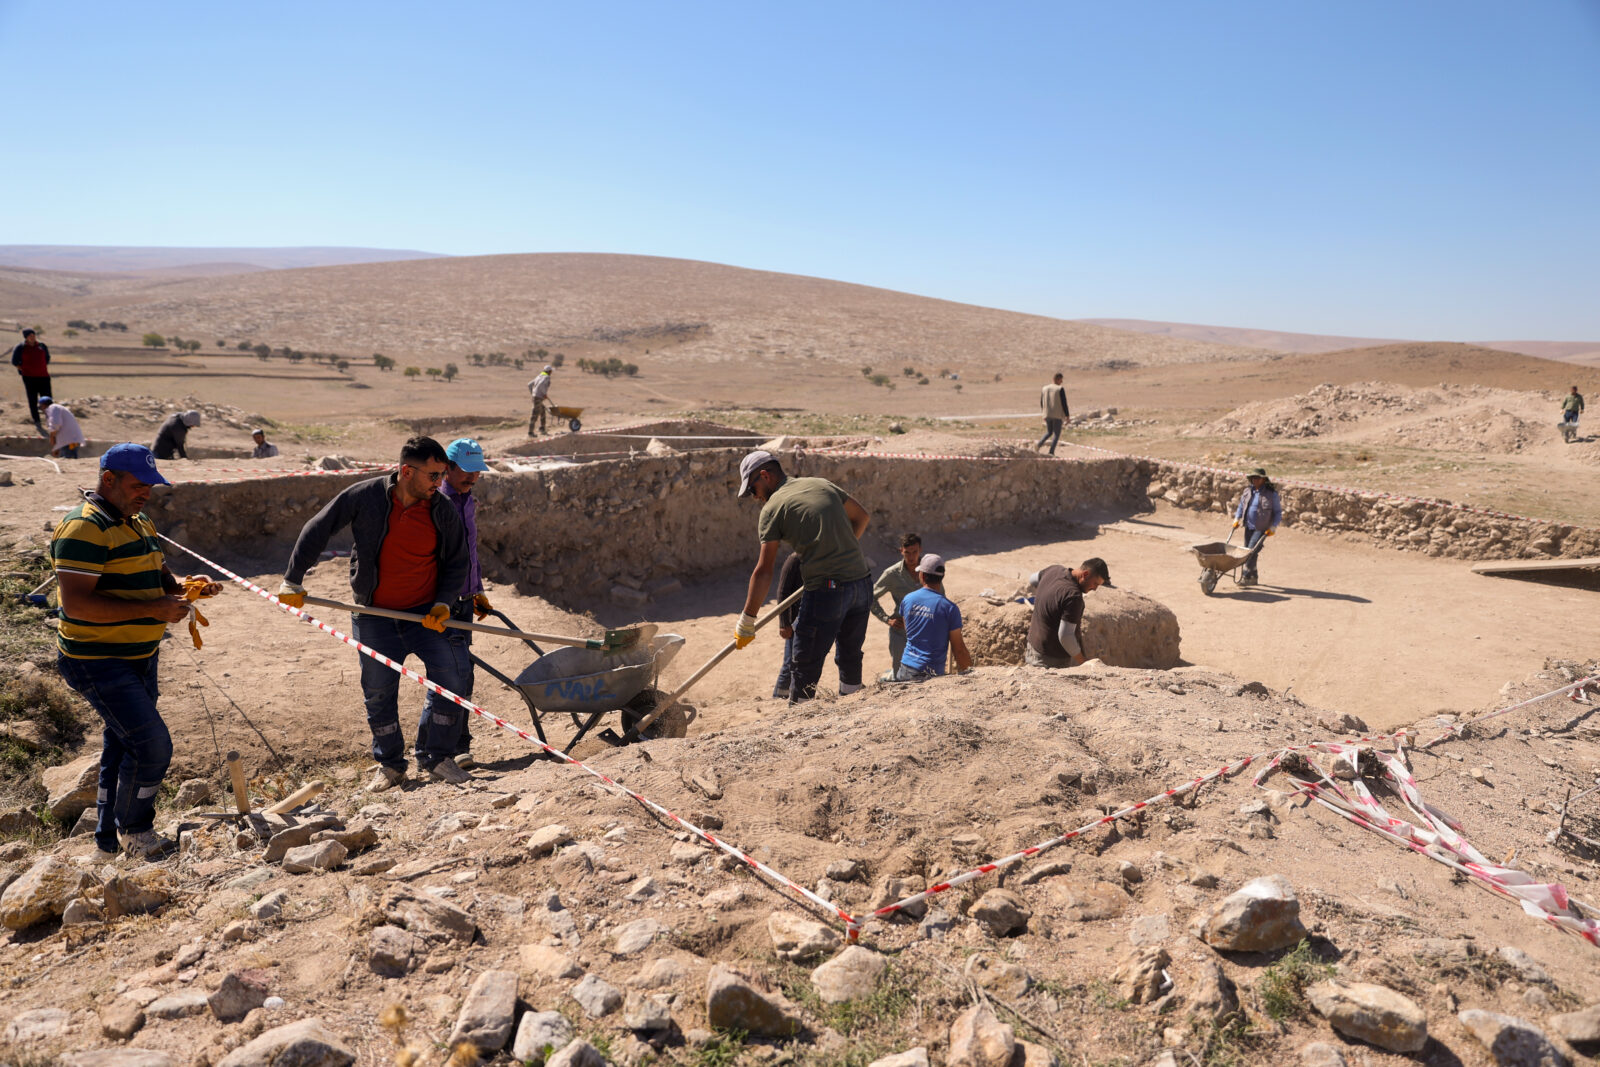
[155, 409]
[1120, 628]
[1487, 429]
[1325, 409]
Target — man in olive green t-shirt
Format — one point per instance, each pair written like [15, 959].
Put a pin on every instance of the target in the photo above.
[823, 524]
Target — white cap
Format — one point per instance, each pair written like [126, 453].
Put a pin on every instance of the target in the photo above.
[931, 564]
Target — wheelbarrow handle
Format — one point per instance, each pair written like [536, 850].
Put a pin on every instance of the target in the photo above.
[613, 641]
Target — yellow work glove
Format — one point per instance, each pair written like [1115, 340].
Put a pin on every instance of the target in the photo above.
[436, 616]
[291, 594]
[745, 631]
[1237, 524]
[1272, 531]
[481, 606]
[197, 587]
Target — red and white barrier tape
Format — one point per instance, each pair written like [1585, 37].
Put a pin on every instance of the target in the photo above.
[1458, 727]
[852, 927]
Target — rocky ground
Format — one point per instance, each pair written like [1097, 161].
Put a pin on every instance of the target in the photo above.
[540, 915]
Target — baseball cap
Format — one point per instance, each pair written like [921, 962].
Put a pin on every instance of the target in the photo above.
[190, 418]
[548, 369]
[257, 430]
[46, 401]
[749, 465]
[931, 564]
[467, 454]
[133, 459]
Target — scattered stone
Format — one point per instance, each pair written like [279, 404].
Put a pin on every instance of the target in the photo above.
[1371, 1013]
[377, 865]
[578, 1053]
[892, 889]
[72, 787]
[547, 839]
[686, 853]
[1001, 913]
[391, 951]
[729, 896]
[121, 1019]
[40, 1024]
[240, 930]
[709, 786]
[537, 1031]
[851, 975]
[1526, 966]
[636, 936]
[1262, 916]
[42, 893]
[488, 1012]
[453, 823]
[1091, 901]
[1130, 873]
[138, 892]
[306, 1043]
[734, 1003]
[1045, 870]
[641, 890]
[1138, 977]
[1513, 1042]
[548, 963]
[979, 1039]
[997, 976]
[192, 793]
[659, 973]
[596, 997]
[178, 1005]
[799, 939]
[118, 1057]
[81, 911]
[1581, 1028]
[270, 907]
[422, 912]
[1321, 1054]
[936, 925]
[20, 821]
[355, 838]
[912, 1057]
[1148, 930]
[1213, 998]
[240, 993]
[1030, 1055]
[322, 856]
[279, 844]
[846, 870]
[647, 1013]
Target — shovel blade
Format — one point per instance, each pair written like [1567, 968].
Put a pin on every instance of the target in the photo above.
[617, 640]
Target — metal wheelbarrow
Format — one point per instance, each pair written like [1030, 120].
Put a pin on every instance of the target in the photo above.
[587, 683]
[570, 414]
[1216, 560]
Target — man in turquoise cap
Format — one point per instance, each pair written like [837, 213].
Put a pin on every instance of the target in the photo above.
[463, 464]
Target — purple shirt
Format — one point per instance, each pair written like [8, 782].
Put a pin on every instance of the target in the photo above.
[468, 509]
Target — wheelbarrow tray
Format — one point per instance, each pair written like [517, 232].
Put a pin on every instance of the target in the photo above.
[1215, 556]
[565, 412]
[584, 681]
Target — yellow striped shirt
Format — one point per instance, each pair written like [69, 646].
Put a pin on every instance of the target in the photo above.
[126, 559]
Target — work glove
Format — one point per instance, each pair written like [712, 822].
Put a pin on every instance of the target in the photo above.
[1271, 531]
[197, 587]
[436, 616]
[1237, 524]
[745, 631]
[481, 606]
[291, 594]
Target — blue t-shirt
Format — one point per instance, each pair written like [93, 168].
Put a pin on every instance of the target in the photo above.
[929, 619]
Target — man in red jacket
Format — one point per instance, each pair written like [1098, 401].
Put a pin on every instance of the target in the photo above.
[32, 360]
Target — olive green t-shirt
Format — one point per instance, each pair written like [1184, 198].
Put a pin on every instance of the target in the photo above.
[808, 513]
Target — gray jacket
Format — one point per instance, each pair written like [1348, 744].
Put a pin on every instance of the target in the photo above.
[364, 507]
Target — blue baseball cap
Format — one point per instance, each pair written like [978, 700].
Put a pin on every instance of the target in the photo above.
[133, 459]
[467, 454]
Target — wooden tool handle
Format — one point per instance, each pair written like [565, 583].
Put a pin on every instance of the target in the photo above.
[241, 792]
[298, 797]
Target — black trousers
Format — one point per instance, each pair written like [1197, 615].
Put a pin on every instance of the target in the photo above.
[36, 387]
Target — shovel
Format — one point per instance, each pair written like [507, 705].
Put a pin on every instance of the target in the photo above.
[666, 702]
[613, 641]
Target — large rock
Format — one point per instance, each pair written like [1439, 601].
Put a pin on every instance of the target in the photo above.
[636, 936]
[391, 951]
[118, 1057]
[911, 1057]
[799, 939]
[72, 787]
[734, 1003]
[40, 1024]
[1009, 980]
[138, 892]
[192, 793]
[1212, 998]
[1120, 627]
[1582, 1028]
[1262, 916]
[179, 1005]
[121, 1019]
[851, 975]
[41, 894]
[647, 1013]
[240, 993]
[306, 1043]
[1371, 1013]
[1511, 1041]
[423, 913]
[578, 1053]
[322, 856]
[596, 996]
[1138, 977]
[1001, 913]
[548, 963]
[488, 1012]
[979, 1039]
[540, 1030]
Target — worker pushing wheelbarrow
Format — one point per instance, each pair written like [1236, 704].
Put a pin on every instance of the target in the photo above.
[1216, 559]
[1258, 513]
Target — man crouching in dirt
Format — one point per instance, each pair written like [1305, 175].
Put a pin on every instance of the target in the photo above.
[1055, 634]
[823, 524]
[410, 555]
[117, 597]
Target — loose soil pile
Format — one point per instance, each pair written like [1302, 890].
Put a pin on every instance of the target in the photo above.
[1120, 628]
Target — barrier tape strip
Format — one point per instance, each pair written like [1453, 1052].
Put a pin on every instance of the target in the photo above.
[1458, 727]
[852, 927]
[272, 477]
[42, 459]
[288, 470]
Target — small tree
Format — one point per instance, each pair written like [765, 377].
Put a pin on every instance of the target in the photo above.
[69, 332]
[343, 365]
[295, 355]
[154, 340]
[262, 352]
[450, 371]
[222, 344]
[413, 372]
[382, 362]
[517, 364]
[434, 372]
[476, 359]
[194, 346]
[866, 372]
[558, 359]
[630, 369]
[244, 346]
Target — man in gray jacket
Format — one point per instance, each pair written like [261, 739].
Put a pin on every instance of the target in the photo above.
[410, 554]
[1053, 399]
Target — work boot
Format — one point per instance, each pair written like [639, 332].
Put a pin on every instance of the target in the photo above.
[846, 688]
[386, 778]
[465, 761]
[146, 845]
[447, 770]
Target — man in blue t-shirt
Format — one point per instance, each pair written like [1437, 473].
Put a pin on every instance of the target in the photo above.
[933, 626]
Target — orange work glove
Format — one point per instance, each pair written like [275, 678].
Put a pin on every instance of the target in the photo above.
[198, 587]
[436, 616]
[481, 606]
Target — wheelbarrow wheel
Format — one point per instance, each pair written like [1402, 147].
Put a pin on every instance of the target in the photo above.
[574, 425]
[1208, 582]
[673, 723]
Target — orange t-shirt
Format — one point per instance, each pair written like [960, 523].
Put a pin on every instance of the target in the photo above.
[408, 567]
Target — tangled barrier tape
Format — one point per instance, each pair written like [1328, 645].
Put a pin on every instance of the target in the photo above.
[852, 927]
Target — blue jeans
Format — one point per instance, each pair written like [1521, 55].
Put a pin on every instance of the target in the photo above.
[1251, 539]
[780, 691]
[830, 616]
[1052, 433]
[135, 748]
[443, 661]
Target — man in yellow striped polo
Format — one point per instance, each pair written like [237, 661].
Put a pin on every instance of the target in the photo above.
[117, 597]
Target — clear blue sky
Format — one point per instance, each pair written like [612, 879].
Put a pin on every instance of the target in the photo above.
[1370, 167]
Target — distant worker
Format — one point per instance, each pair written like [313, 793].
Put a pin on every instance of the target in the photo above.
[464, 463]
[789, 579]
[1053, 399]
[173, 436]
[933, 627]
[262, 449]
[1571, 408]
[117, 597]
[66, 436]
[1259, 512]
[823, 524]
[409, 554]
[539, 388]
[1055, 633]
[32, 360]
[897, 580]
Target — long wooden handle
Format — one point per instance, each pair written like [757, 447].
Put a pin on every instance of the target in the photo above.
[615, 639]
[241, 792]
[705, 669]
[298, 797]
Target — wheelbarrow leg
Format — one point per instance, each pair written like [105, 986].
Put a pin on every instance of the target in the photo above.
[583, 728]
[533, 712]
